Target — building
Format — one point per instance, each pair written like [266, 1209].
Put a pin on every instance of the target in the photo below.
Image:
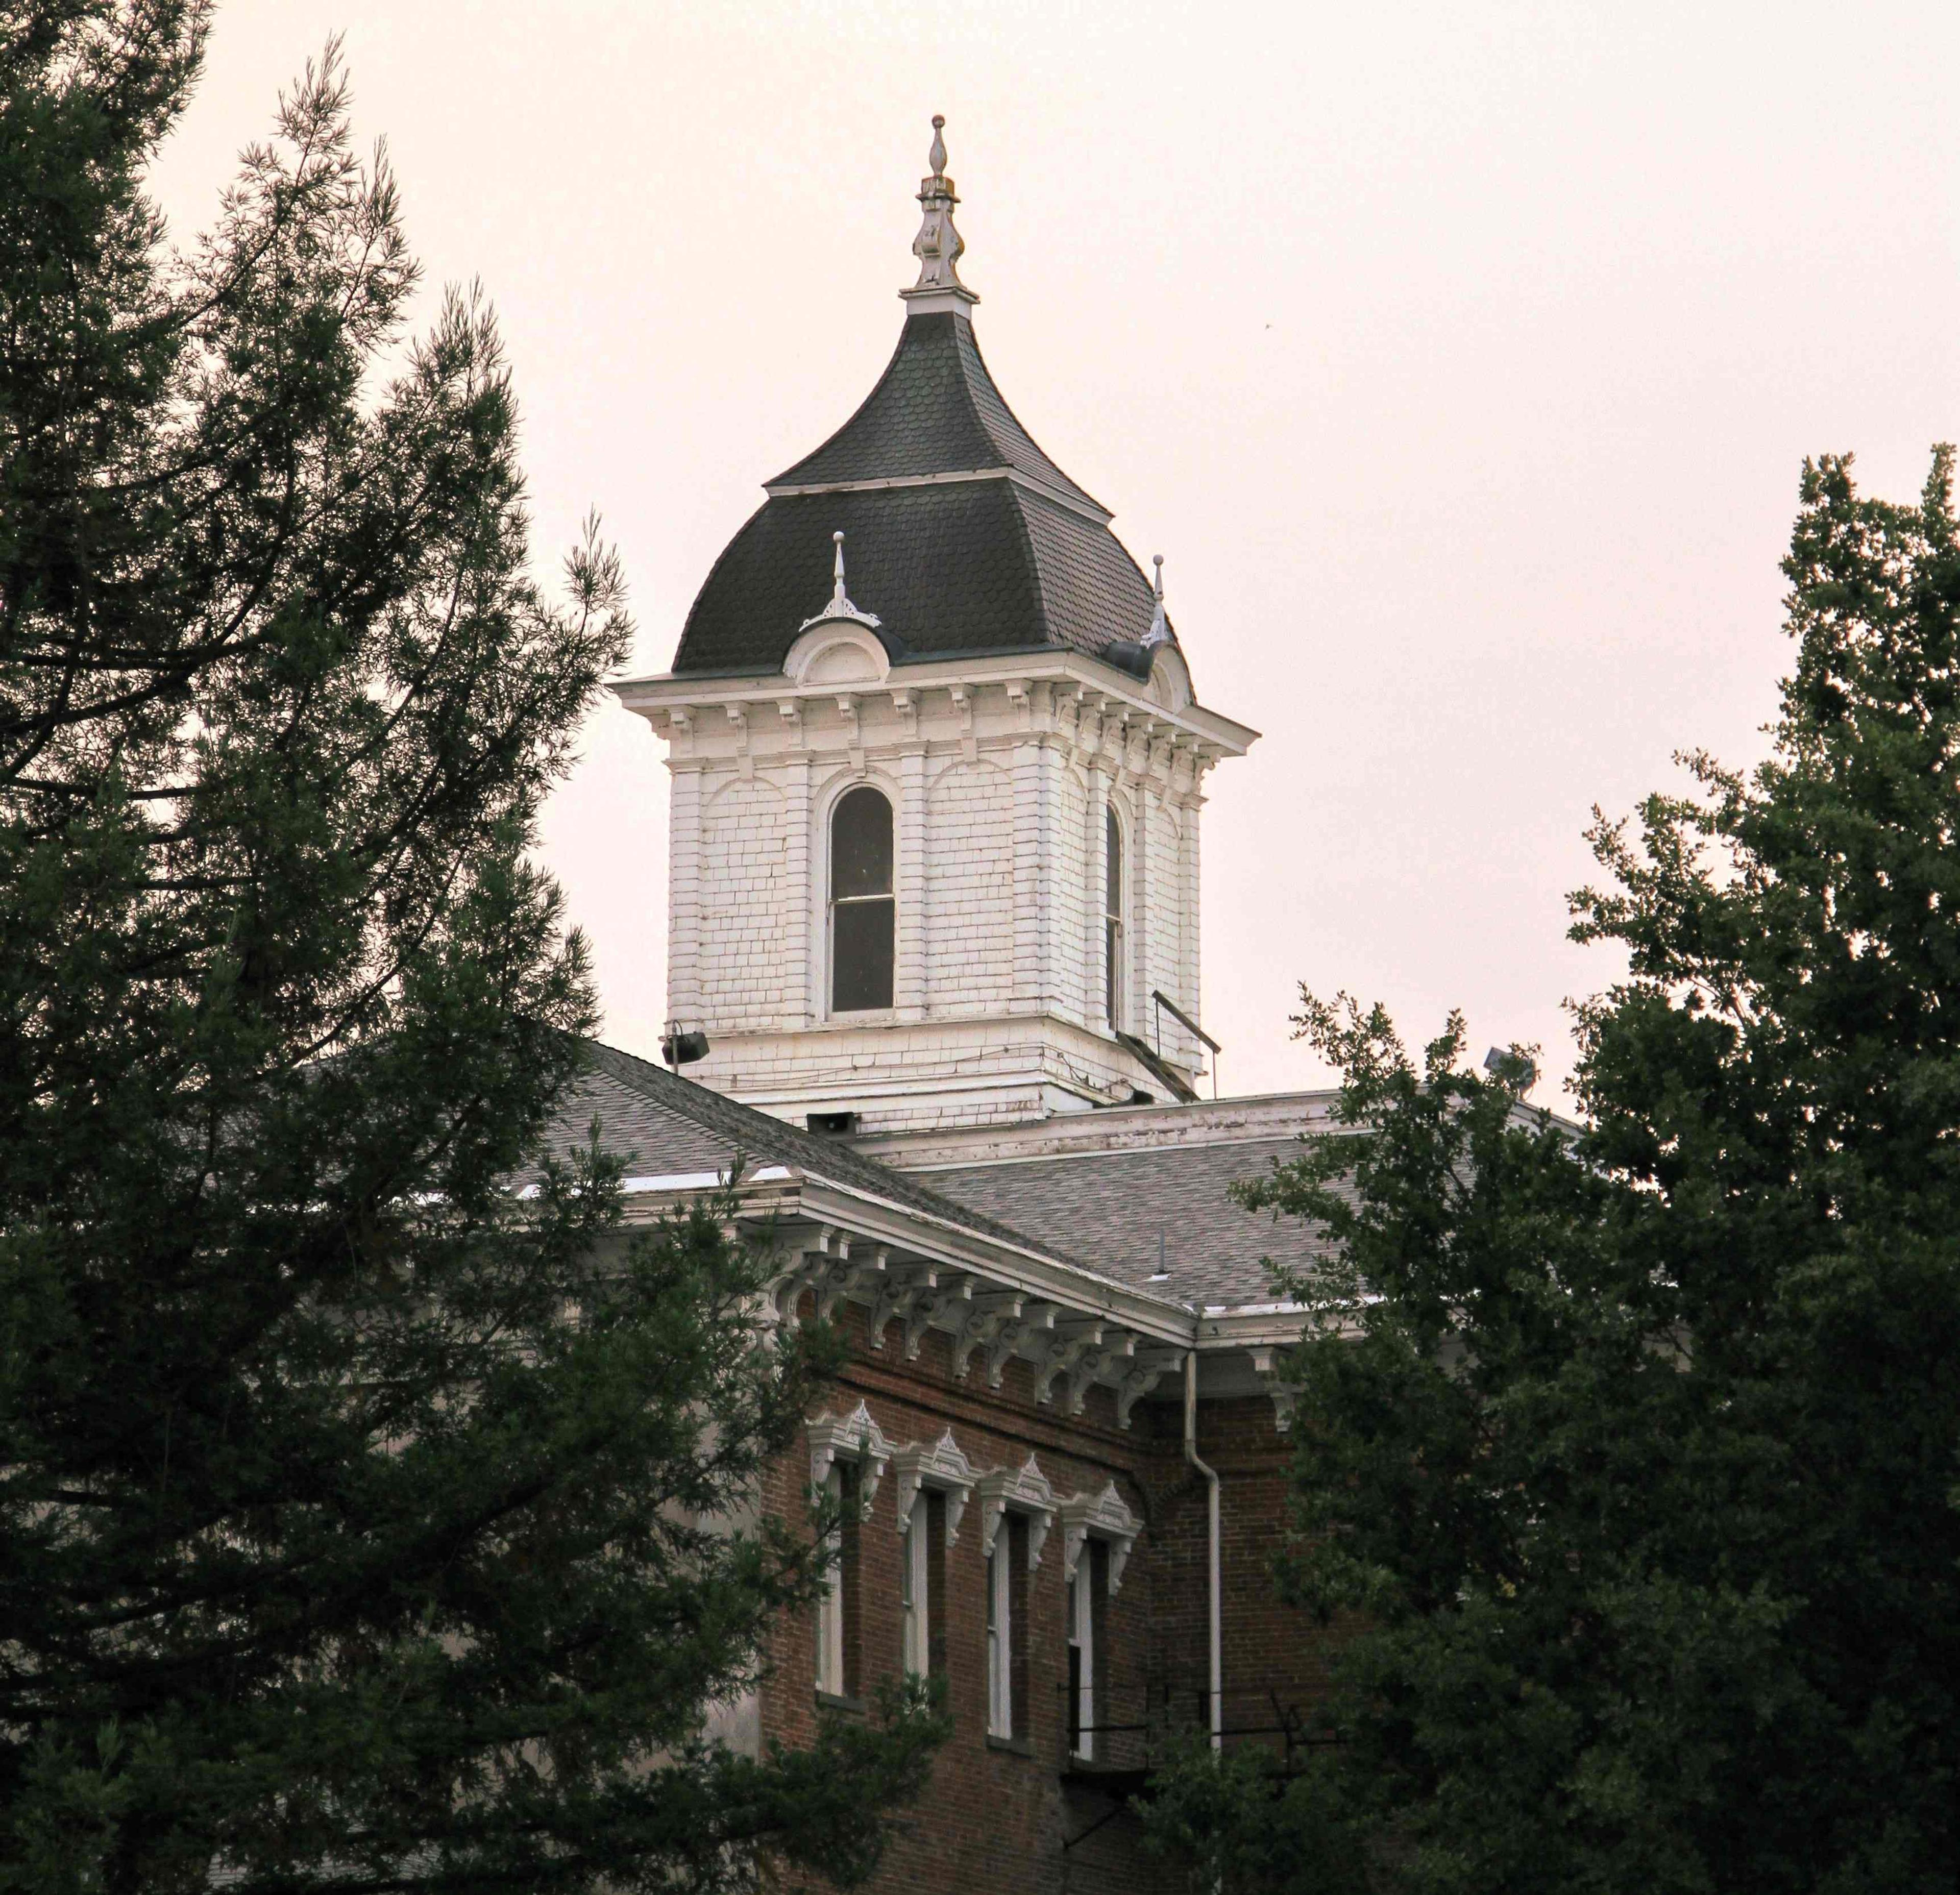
[934, 873]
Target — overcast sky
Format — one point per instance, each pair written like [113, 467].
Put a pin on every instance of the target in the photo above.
[1461, 360]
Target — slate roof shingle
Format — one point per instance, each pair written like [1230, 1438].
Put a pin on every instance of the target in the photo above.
[1113, 1209]
[956, 567]
[664, 1126]
[935, 410]
[1125, 1208]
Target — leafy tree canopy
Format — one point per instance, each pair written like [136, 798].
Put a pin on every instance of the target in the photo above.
[364, 1523]
[1630, 1454]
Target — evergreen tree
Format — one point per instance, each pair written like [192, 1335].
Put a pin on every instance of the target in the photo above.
[1632, 1454]
[365, 1522]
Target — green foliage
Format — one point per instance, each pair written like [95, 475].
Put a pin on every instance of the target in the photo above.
[364, 1521]
[1636, 1448]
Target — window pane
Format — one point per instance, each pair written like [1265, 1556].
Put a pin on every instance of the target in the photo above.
[860, 846]
[861, 951]
[1112, 866]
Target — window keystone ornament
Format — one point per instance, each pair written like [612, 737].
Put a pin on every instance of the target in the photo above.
[1106, 1517]
[942, 1467]
[1026, 1490]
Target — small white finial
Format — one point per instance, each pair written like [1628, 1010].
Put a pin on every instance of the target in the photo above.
[840, 605]
[938, 246]
[1160, 631]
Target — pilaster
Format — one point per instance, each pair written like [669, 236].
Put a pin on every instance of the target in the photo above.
[684, 893]
[1034, 868]
[913, 923]
[1096, 857]
[799, 1004]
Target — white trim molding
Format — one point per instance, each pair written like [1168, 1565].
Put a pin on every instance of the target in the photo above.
[855, 1438]
[941, 1467]
[1107, 1516]
[1026, 1490]
[1270, 1365]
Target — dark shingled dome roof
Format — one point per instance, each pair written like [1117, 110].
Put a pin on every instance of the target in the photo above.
[1018, 559]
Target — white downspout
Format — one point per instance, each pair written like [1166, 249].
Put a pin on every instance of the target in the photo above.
[1211, 1545]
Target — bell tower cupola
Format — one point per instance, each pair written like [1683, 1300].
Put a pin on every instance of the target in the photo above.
[934, 854]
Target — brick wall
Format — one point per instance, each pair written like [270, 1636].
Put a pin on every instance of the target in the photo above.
[1000, 1818]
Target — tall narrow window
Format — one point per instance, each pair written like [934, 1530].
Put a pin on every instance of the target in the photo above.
[1112, 919]
[837, 1610]
[914, 1589]
[1000, 1636]
[830, 1604]
[863, 915]
[1082, 1656]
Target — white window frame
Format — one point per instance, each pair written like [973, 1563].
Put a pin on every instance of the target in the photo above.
[831, 902]
[830, 1606]
[855, 1438]
[1082, 1639]
[1115, 969]
[1000, 1638]
[915, 1587]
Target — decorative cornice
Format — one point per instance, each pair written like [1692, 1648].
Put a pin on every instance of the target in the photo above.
[1106, 1516]
[1026, 1490]
[855, 1438]
[941, 1466]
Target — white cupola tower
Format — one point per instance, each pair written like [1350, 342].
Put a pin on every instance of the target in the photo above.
[934, 855]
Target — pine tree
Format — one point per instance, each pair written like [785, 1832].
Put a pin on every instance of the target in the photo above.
[1632, 1454]
[365, 1521]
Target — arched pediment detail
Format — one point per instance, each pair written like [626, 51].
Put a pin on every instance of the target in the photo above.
[838, 651]
[1170, 679]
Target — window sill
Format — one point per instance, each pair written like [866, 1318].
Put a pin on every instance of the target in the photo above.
[1014, 1745]
[837, 1701]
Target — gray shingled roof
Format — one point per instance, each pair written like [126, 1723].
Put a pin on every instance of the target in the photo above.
[934, 411]
[959, 566]
[1108, 1208]
[1123, 1210]
[664, 1126]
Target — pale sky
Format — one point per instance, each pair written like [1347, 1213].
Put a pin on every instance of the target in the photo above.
[1461, 360]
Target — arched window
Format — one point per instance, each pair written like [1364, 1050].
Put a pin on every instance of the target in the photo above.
[862, 911]
[1112, 919]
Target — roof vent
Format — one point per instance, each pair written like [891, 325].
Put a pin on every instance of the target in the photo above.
[831, 1125]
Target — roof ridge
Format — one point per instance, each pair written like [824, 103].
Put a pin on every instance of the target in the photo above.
[969, 344]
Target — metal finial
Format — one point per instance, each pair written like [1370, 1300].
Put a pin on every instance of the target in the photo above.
[938, 245]
[1160, 631]
[840, 605]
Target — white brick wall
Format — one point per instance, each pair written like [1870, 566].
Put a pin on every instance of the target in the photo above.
[744, 939]
[969, 886]
[998, 783]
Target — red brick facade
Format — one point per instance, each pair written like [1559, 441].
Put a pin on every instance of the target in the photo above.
[1022, 1814]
